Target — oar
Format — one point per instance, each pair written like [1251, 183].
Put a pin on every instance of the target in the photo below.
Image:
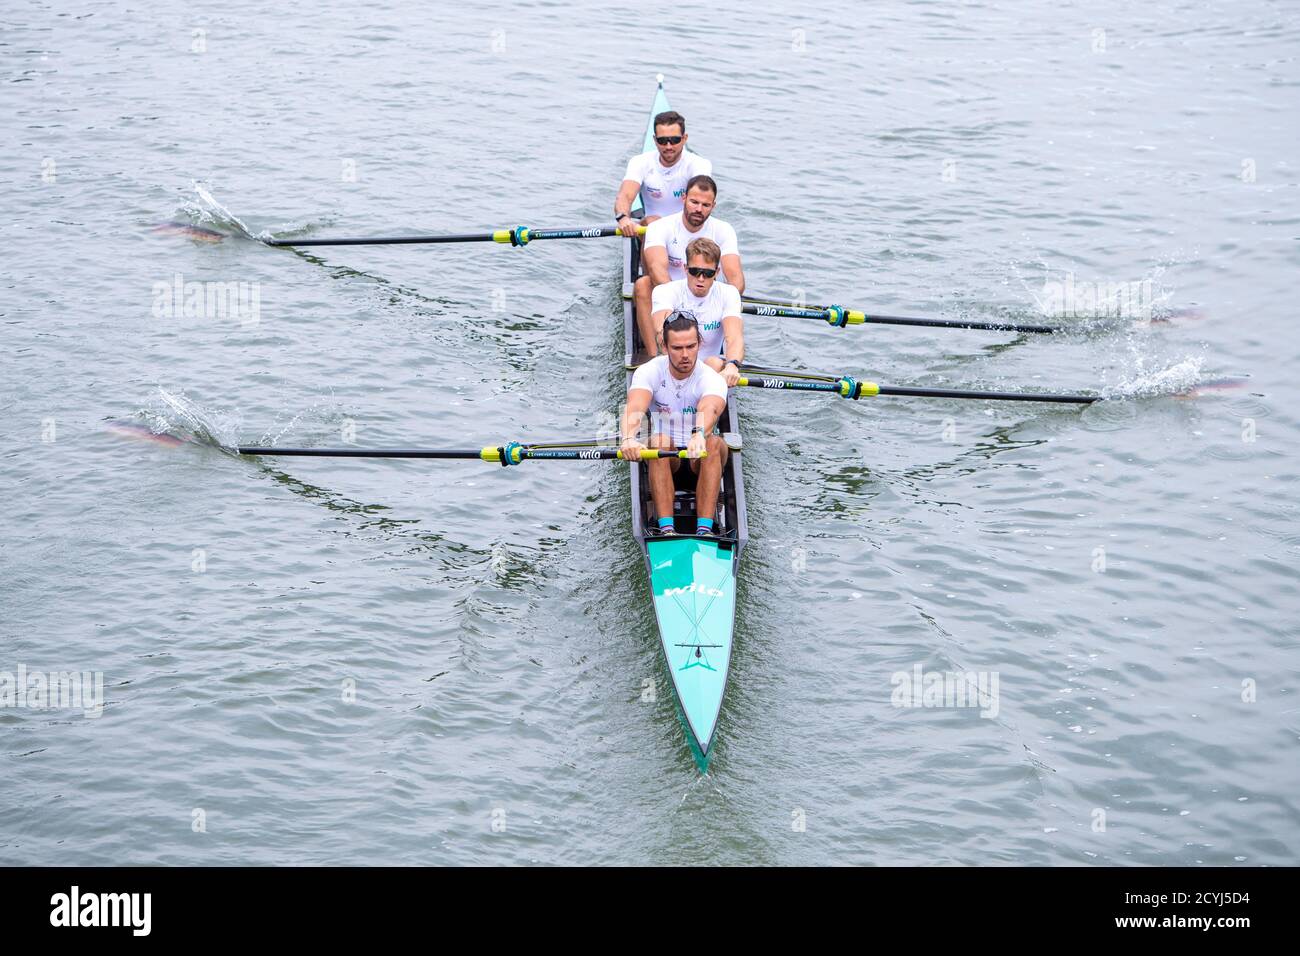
[848, 387]
[839, 317]
[510, 453]
[518, 236]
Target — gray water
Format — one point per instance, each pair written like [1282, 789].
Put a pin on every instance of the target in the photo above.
[325, 661]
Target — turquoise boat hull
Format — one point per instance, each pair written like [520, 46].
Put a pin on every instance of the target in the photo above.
[694, 585]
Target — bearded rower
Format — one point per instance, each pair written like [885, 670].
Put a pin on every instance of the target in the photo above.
[659, 175]
[685, 398]
[665, 250]
[715, 305]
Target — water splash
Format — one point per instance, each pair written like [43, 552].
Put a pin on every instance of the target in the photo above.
[207, 211]
[175, 419]
[1174, 379]
[184, 419]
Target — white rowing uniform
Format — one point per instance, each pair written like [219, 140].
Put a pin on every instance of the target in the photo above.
[671, 233]
[723, 300]
[663, 188]
[673, 402]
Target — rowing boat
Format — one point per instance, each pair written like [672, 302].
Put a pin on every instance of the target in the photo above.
[693, 579]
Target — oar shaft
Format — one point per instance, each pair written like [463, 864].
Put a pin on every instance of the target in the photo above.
[753, 370]
[852, 317]
[852, 388]
[801, 385]
[954, 324]
[379, 240]
[519, 236]
[513, 451]
[992, 396]
[363, 452]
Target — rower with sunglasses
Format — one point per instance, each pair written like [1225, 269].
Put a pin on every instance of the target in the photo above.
[685, 399]
[664, 250]
[659, 175]
[715, 305]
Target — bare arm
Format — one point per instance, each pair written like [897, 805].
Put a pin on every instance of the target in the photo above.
[638, 401]
[656, 264]
[626, 196]
[731, 269]
[733, 337]
[657, 323]
[708, 412]
[623, 204]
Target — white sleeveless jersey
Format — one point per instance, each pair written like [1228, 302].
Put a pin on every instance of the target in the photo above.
[663, 188]
[723, 300]
[671, 233]
[673, 403]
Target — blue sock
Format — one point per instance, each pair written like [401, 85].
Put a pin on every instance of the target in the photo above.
[703, 524]
[665, 522]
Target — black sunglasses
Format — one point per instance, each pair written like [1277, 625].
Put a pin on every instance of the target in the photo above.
[668, 140]
[702, 273]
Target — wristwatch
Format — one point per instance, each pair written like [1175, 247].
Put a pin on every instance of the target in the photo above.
[621, 216]
[735, 362]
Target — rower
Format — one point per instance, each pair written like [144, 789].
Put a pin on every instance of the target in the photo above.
[665, 250]
[686, 398]
[715, 305]
[659, 175]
